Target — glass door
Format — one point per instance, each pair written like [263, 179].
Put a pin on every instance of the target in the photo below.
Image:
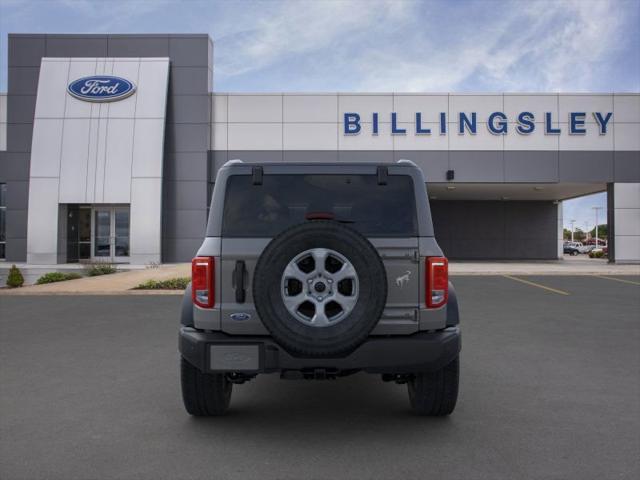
[120, 240]
[102, 234]
[78, 233]
[111, 234]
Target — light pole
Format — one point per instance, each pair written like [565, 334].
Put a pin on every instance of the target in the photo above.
[586, 231]
[572, 228]
[596, 209]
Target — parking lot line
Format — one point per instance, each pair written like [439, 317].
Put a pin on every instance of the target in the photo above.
[618, 279]
[534, 284]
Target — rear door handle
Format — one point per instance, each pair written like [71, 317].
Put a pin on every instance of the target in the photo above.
[239, 280]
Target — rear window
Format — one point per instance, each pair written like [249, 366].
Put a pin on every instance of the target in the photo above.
[286, 200]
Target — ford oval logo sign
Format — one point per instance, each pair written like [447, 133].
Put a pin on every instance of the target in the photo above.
[101, 88]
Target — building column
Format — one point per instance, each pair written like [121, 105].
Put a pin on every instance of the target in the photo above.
[624, 223]
[560, 236]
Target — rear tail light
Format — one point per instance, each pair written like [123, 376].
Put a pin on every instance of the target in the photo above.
[437, 281]
[202, 281]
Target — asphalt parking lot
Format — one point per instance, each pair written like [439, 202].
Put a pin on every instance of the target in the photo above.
[550, 389]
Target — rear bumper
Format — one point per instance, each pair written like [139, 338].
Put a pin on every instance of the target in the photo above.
[219, 352]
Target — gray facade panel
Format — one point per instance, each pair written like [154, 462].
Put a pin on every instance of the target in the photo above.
[188, 80]
[626, 166]
[16, 224]
[530, 230]
[17, 195]
[477, 166]
[381, 156]
[495, 230]
[14, 166]
[138, 46]
[76, 46]
[4, 160]
[185, 195]
[22, 108]
[26, 50]
[586, 166]
[16, 249]
[19, 137]
[473, 166]
[185, 223]
[256, 155]
[188, 109]
[190, 51]
[187, 137]
[530, 166]
[313, 156]
[185, 166]
[180, 249]
[23, 80]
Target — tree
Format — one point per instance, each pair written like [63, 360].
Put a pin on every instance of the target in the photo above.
[603, 231]
[578, 235]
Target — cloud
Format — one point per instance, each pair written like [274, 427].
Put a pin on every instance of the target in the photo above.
[542, 47]
[290, 30]
[433, 46]
[376, 45]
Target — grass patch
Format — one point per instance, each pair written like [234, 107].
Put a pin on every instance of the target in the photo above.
[53, 277]
[179, 283]
[96, 269]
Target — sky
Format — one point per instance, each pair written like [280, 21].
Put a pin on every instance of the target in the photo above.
[378, 45]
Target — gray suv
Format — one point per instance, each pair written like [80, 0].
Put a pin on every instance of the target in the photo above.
[318, 271]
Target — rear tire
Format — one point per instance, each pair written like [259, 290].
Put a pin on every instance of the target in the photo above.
[204, 394]
[435, 394]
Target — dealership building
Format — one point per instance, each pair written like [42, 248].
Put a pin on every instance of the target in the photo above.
[110, 144]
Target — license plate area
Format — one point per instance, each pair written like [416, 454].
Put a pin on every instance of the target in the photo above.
[234, 358]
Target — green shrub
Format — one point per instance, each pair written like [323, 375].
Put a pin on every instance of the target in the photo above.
[52, 277]
[100, 269]
[15, 278]
[596, 254]
[179, 283]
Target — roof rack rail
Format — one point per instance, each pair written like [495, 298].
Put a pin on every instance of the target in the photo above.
[405, 161]
[232, 162]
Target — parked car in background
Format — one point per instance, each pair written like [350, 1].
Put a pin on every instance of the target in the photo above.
[573, 248]
[586, 248]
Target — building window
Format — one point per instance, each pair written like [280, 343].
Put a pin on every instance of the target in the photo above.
[3, 222]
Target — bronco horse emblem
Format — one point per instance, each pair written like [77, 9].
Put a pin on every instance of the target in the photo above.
[402, 279]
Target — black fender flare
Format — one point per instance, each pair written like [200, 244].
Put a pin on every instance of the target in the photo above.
[453, 314]
[186, 310]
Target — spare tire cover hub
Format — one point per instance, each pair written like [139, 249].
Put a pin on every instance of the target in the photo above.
[319, 287]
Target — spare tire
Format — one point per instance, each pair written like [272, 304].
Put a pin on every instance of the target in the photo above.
[319, 288]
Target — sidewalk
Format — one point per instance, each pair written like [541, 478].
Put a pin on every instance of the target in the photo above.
[124, 282]
[113, 284]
